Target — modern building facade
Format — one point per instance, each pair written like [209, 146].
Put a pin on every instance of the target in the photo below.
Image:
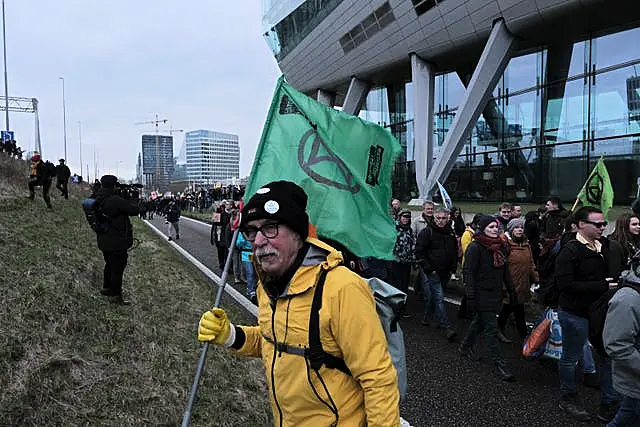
[212, 156]
[157, 161]
[496, 99]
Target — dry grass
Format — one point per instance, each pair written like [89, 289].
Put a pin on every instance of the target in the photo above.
[68, 357]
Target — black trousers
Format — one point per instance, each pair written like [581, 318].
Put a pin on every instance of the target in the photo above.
[222, 255]
[518, 310]
[401, 275]
[114, 265]
[45, 191]
[62, 186]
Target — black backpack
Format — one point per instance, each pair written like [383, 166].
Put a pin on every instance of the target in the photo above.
[99, 222]
[598, 315]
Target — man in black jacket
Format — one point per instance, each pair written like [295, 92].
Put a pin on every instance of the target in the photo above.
[62, 179]
[119, 237]
[437, 253]
[584, 271]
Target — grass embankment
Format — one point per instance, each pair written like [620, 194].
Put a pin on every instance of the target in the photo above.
[69, 357]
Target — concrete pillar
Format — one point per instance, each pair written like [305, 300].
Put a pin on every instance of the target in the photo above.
[325, 97]
[423, 79]
[356, 95]
[492, 63]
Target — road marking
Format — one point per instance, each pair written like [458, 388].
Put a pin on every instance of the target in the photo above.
[196, 221]
[240, 299]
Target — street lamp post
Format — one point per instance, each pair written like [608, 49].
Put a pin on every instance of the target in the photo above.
[80, 137]
[118, 166]
[64, 118]
[6, 84]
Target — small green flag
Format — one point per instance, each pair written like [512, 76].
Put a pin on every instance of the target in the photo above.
[597, 191]
[343, 163]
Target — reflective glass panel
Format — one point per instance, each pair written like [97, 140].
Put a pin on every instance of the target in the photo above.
[615, 103]
[617, 48]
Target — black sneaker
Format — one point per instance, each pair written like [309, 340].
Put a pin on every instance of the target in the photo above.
[607, 411]
[177, 237]
[170, 239]
[468, 352]
[106, 292]
[450, 334]
[574, 409]
[590, 379]
[504, 373]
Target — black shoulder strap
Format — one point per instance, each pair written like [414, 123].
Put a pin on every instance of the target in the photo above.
[317, 356]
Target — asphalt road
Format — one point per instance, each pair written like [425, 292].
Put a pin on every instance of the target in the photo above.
[444, 388]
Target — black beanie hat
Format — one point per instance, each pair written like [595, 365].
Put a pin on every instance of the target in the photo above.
[109, 181]
[282, 201]
[484, 221]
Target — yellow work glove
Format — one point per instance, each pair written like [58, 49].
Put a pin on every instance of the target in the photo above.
[215, 327]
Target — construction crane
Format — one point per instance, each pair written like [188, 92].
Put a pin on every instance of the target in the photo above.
[156, 175]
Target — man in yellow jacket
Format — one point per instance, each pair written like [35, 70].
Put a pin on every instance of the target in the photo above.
[289, 266]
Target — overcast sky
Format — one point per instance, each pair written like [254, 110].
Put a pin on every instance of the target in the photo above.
[199, 64]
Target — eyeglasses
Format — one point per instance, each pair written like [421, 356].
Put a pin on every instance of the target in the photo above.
[269, 230]
[442, 218]
[602, 224]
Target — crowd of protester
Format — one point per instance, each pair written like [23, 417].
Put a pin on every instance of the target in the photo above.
[11, 148]
[557, 257]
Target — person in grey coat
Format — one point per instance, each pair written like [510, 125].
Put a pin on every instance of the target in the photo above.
[621, 338]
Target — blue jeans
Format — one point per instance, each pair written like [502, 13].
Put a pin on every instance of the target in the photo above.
[628, 415]
[575, 331]
[588, 364]
[433, 297]
[252, 279]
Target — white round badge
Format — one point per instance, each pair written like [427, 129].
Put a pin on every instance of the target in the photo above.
[271, 207]
[263, 190]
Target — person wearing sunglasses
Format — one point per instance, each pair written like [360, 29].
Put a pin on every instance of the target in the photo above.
[356, 382]
[586, 267]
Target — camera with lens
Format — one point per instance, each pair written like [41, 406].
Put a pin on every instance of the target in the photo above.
[128, 191]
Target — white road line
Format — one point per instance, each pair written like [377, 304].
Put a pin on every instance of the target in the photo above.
[196, 221]
[240, 299]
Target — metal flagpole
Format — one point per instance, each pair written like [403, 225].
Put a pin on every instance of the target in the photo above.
[186, 418]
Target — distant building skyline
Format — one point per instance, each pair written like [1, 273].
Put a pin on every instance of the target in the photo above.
[212, 156]
[157, 161]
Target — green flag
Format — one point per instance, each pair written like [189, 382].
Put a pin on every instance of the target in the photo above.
[597, 191]
[342, 162]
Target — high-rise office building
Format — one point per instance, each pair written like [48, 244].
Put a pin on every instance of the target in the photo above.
[496, 99]
[157, 161]
[212, 156]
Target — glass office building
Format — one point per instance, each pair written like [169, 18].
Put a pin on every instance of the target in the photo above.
[212, 157]
[553, 114]
[157, 161]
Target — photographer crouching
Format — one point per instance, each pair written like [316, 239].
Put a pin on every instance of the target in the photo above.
[115, 234]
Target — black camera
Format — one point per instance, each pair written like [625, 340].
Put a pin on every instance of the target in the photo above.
[128, 191]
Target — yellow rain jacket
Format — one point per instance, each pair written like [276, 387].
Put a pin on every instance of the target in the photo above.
[349, 329]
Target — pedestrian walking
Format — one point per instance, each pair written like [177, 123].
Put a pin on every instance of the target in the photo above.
[360, 385]
[62, 179]
[486, 274]
[523, 274]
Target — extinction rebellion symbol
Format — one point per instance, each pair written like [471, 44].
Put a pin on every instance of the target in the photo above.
[594, 188]
[317, 161]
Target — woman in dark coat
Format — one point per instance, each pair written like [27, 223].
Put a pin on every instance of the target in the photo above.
[486, 274]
